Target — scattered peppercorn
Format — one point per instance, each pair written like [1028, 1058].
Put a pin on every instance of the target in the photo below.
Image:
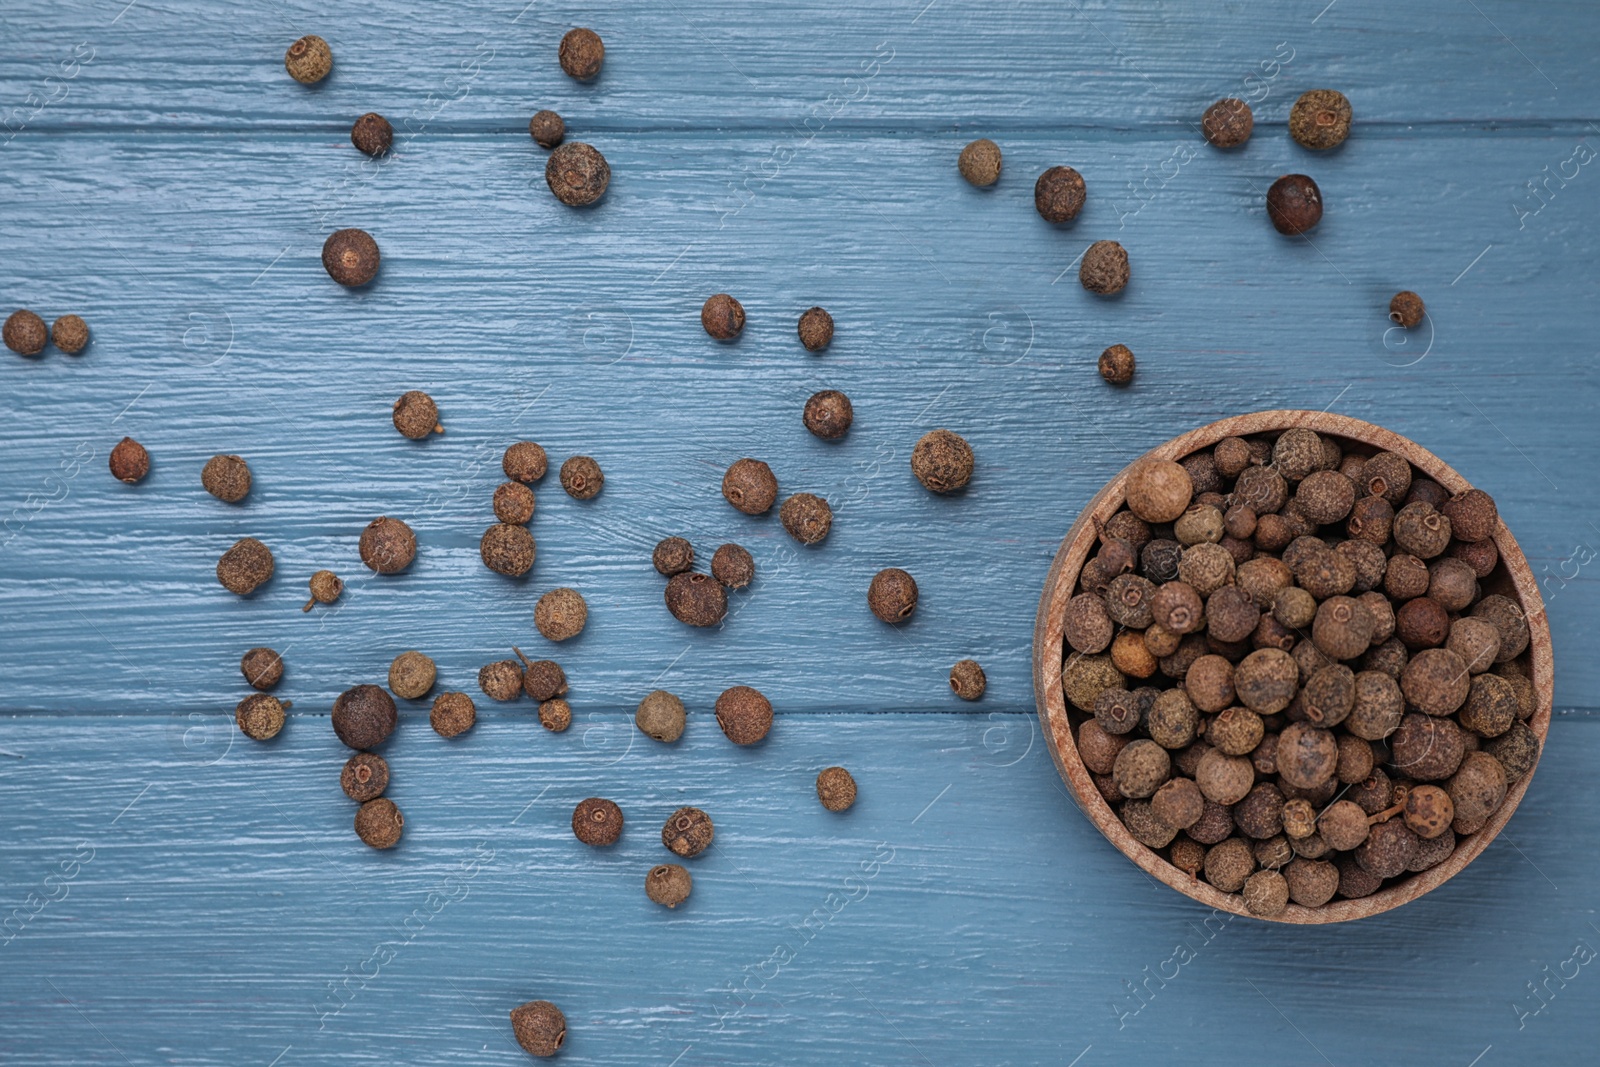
[325, 588]
[308, 60]
[507, 548]
[372, 134]
[70, 334]
[1059, 194]
[260, 717]
[1104, 269]
[807, 517]
[1405, 309]
[687, 832]
[539, 1026]
[524, 462]
[364, 716]
[836, 788]
[942, 461]
[365, 776]
[411, 675]
[744, 715]
[828, 414]
[1228, 123]
[501, 680]
[561, 614]
[227, 478]
[378, 823]
[1116, 365]
[733, 566]
[582, 478]
[547, 129]
[513, 503]
[582, 53]
[262, 668]
[577, 174]
[129, 461]
[597, 822]
[541, 679]
[452, 714]
[980, 164]
[672, 556]
[967, 680]
[816, 329]
[1320, 119]
[350, 257]
[722, 316]
[555, 715]
[387, 545]
[416, 415]
[660, 716]
[696, 599]
[1294, 204]
[892, 595]
[25, 333]
[668, 884]
[245, 566]
[749, 485]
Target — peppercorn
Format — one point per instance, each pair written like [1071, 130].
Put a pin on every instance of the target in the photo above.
[1266, 894]
[1117, 365]
[1083, 678]
[416, 416]
[1104, 269]
[1159, 557]
[1172, 719]
[245, 566]
[364, 777]
[1472, 514]
[539, 1026]
[1326, 497]
[1140, 818]
[1435, 681]
[808, 518]
[1098, 747]
[378, 823]
[350, 257]
[411, 675]
[816, 329]
[1236, 731]
[1477, 790]
[1505, 616]
[308, 60]
[501, 680]
[967, 680]
[582, 478]
[1209, 684]
[364, 716]
[1227, 123]
[1058, 194]
[1206, 568]
[1405, 309]
[1517, 750]
[1214, 825]
[1200, 524]
[1141, 768]
[508, 549]
[828, 414]
[70, 334]
[1266, 680]
[543, 679]
[1475, 641]
[1202, 468]
[25, 333]
[1421, 530]
[1320, 119]
[1490, 707]
[1224, 779]
[1131, 656]
[1481, 556]
[1432, 852]
[260, 717]
[547, 129]
[1427, 491]
[979, 163]
[672, 556]
[453, 714]
[582, 53]
[372, 134]
[696, 599]
[1427, 748]
[524, 462]
[750, 486]
[1329, 694]
[1428, 810]
[660, 716]
[577, 174]
[129, 461]
[561, 614]
[1390, 846]
[722, 317]
[555, 715]
[1126, 526]
[1188, 855]
[733, 566]
[597, 821]
[744, 714]
[1229, 864]
[1422, 623]
[227, 478]
[1260, 814]
[1178, 803]
[513, 503]
[1307, 755]
[1308, 658]
[1117, 710]
[1177, 608]
[687, 832]
[668, 884]
[1405, 577]
[1342, 628]
[1294, 204]
[1158, 490]
[942, 461]
[892, 595]
[1299, 818]
[1343, 826]
[1312, 883]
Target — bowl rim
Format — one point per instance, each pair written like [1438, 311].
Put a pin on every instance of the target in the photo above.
[1049, 642]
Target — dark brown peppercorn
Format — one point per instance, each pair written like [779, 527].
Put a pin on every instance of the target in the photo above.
[1058, 194]
[1371, 520]
[1231, 614]
[816, 329]
[1297, 452]
[1188, 855]
[577, 174]
[582, 478]
[260, 717]
[582, 53]
[1377, 708]
[365, 776]
[673, 555]
[411, 675]
[1117, 364]
[129, 461]
[379, 822]
[1260, 814]
[1475, 641]
[1178, 803]
[507, 548]
[372, 134]
[744, 715]
[1098, 747]
[555, 715]
[227, 478]
[1388, 475]
[1172, 720]
[1312, 883]
[547, 129]
[70, 334]
[1320, 119]
[1426, 747]
[980, 163]
[25, 333]
[1452, 583]
[733, 566]
[1342, 628]
[262, 668]
[1491, 706]
[350, 257]
[1472, 514]
[501, 680]
[308, 60]
[561, 614]
[539, 1026]
[364, 716]
[1405, 309]
[1422, 623]
[1329, 694]
[668, 884]
[696, 599]
[597, 822]
[524, 462]
[1177, 608]
[1405, 577]
[828, 414]
[1209, 684]
[660, 716]
[1389, 848]
[892, 595]
[416, 415]
[514, 503]
[1116, 710]
[1266, 680]
[687, 832]
[807, 517]
[1421, 530]
[1476, 790]
[1104, 269]
[1294, 204]
[1227, 123]
[387, 545]
[542, 679]
[722, 317]
[1517, 750]
[1505, 616]
[1159, 558]
[1481, 556]
[245, 566]
[942, 461]
[967, 680]
[750, 486]
[452, 714]
[1325, 497]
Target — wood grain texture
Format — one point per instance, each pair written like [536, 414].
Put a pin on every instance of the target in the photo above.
[173, 186]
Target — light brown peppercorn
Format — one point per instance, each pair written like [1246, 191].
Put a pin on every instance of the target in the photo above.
[1083, 678]
[416, 416]
[1098, 748]
[351, 257]
[539, 1026]
[262, 668]
[411, 675]
[1371, 519]
[452, 714]
[687, 832]
[1086, 625]
[514, 503]
[1209, 684]
[816, 329]
[1428, 810]
[1201, 523]
[1421, 530]
[1206, 567]
[387, 545]
[806, 517]
[597, 821]
[1266, 680]
[1172, 719]
[696, 599]
[379, 822]
[1326, 497]
[1328, 695]
[980, 162]
[547, 129]
[1312, 883]
[507, 548]
[722, 317]
[1236, 731]
[967, 680]
[1224, 779]
[828, 414]
[1490, 707]
[582, 53]
[70, 334]
[561, 614]
[582, 478]
[1342, 628]
[364, 777]
[672, 555]
[1117, 365]
[1104, 269]
[1266, 894]
[1188, 855]
[1435, 681]
[1230, 864]
[1343, 825]
[1140, 818]
[733, 566]
[1158, 490]
[1177, 608]
[744, 714]
[1299, 818]
[942, 461]
[1405, 577]
[364, 716]
[308, 60]
[1058, 194]
[1406, 309]
[501, 680]
[129, 461]
[542, 679]
[1178, 803]
[660, 716]
[1131, 656]
[668, 884]
[750, 486]
[524, 462]
[1141, 768]
[1227, 123]
[25, 333]
[372, 134]
[1472, 514]
[892, 595]
[1475, 641]
[245, 566]
[577, 174]
[555, 715]
[227, 478]
[1320, 119]
[836, 788]
[260, 717]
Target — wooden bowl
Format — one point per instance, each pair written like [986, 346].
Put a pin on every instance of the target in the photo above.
[1511, 578]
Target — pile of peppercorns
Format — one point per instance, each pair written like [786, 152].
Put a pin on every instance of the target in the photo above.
[1286, 675]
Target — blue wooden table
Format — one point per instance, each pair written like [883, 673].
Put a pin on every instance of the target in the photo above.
[174, 893]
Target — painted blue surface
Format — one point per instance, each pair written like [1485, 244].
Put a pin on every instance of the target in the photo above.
[173, 893]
